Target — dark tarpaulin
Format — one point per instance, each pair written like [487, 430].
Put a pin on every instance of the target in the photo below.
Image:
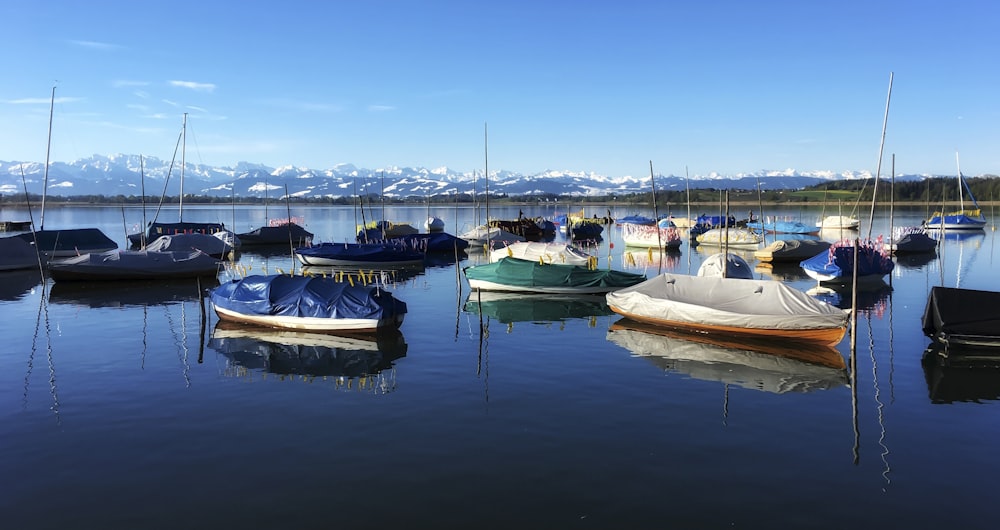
[952, 312]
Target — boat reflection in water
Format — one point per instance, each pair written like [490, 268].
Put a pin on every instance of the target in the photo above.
[363, 362]
[774, 366]
[971, 376]
[131, 293]
[14, 285]
[508, 308]
[872, 300]
[780, 271]
[355, 275]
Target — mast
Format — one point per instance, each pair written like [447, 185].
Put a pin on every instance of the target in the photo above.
[180, 210]
[878, 167]
[48, 148]
[961, 203]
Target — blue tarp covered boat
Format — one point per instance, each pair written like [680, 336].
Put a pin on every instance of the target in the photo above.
[358, 254]
[836, 265]
[307, 303]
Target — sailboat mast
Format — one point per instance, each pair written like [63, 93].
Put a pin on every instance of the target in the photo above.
[958, 166]
[878, 166]
[180, 210]
[48, 148]
[486, 176]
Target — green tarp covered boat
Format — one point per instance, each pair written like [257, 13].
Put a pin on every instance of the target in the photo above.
[524, 276]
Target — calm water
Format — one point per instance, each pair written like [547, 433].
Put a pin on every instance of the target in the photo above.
[119, 409]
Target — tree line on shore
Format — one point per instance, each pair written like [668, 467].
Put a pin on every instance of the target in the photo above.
[928, 191]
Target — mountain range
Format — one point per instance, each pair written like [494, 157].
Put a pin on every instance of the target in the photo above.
[132, 175]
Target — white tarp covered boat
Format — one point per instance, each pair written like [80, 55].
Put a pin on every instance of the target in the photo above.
[739, 307]
[560, 253]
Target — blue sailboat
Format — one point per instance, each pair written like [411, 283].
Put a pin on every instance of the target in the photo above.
[961, 219]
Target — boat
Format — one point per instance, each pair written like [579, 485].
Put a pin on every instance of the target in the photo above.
[434, 224]
[732, 307]
[650, 236]
[836, 265]
[585, 228]
[780, 226]
[791, 250]
[911, 240]
[560, 253]
[358, 254]
[64, 242]
[123, 265]
[526, 276]
[735, 267]
[17, 254]
[277, 232]
[508, 308]
[307, 303]
[961, 219]
[839, 221]
[430, 242]
[213, 245]
[704, 222]
[769, 366]
[961, 318]
[531, 229]
[155, 228]
[635, 219]
[297, 353]
[489, 237]
[730, 237]
[379, 230]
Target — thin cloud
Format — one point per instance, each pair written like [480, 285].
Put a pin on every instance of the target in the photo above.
[381, 108]
[199, 87]
[37, 101]
[123, 83]
[94, 45]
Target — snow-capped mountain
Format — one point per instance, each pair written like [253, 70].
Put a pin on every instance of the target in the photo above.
[128, 175]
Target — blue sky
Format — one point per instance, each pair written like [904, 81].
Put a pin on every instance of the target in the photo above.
[604, 87]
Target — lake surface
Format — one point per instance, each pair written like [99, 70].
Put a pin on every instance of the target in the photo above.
[119, 408]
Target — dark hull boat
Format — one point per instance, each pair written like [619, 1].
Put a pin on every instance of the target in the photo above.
[284, 234]
[358, 254]
[69, 242]
[123, 265]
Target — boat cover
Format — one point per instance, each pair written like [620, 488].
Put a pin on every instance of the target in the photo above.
[306, 296]
[955, 313]
[134, 265]
[527, 273]
[74, 240]
[768, 370]
[704, 300]
[16, 253]
[792, 250]
[735, 267]
[560, 253]
[380, 253]
[838, 261]
[430, 242]
[288, 233]
[207, 243]
[636, 219]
